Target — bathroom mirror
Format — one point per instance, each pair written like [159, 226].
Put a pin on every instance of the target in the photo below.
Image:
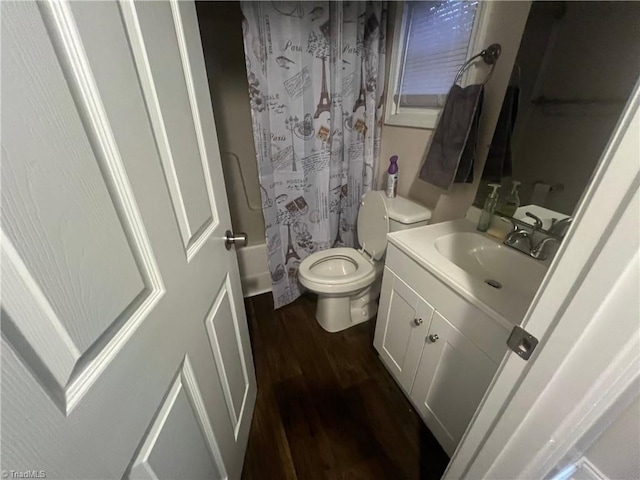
[576, 66]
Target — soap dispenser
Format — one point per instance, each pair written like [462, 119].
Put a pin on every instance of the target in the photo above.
[512, 200]
[489, 207]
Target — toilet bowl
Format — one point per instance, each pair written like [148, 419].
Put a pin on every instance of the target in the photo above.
[348, 280]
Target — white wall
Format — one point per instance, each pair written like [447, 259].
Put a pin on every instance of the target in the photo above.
[221, 33]
[505, 25]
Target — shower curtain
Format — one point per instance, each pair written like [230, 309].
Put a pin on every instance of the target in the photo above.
[316, 74]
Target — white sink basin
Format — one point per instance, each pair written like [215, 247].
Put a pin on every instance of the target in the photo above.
[493, 263]
[499, 280]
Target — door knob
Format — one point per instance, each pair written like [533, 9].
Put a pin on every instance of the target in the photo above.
[417, 321]
[239, 240]
[433, 338]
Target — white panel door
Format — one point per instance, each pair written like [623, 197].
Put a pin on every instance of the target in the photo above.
[125, 350]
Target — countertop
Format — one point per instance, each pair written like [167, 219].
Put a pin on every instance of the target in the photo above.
[506, 305]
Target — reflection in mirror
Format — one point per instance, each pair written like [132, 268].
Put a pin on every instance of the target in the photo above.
[576, 67]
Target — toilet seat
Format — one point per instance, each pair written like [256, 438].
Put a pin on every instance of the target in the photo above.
[318, 274]
[373, 225]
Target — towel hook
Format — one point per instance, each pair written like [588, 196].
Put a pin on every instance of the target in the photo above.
[490, 56]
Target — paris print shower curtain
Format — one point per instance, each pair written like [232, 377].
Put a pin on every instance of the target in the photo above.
[316, 74]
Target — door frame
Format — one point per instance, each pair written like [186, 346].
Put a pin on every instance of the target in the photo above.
[518, 385]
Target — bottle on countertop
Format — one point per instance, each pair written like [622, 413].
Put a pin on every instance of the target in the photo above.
[511, 201]
[392, 177]
[488, 209]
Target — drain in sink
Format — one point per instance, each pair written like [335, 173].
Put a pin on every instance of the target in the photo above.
[493, 283]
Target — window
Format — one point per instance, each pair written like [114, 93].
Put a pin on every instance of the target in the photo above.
[432, 41]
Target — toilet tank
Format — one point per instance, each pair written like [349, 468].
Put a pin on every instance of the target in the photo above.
[404, 213]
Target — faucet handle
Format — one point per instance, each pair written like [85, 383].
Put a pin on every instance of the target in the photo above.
[538, 222]
[560, 227]
[540, 251]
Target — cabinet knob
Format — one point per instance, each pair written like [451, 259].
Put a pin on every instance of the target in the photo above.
[417, 321]
[433, 338]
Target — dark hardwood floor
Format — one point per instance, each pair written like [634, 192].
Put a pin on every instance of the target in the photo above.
[326, 407]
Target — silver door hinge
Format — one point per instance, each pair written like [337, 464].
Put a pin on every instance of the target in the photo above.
[522, 342]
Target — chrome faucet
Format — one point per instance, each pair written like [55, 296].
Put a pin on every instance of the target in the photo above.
[522, 240]
[537, 225]
[518, 237]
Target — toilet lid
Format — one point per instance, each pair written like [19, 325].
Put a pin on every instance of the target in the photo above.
[373, 225]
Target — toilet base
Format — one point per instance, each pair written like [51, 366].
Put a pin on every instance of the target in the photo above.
[335, 314]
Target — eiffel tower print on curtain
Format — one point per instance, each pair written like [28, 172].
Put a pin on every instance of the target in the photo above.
[324, 103]
[361, 100]
[322, 51]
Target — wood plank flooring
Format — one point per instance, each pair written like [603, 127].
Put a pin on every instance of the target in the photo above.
[326, 407]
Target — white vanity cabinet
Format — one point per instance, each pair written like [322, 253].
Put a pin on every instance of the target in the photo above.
[442, 349]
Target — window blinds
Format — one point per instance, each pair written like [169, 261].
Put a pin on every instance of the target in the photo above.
[436, 45]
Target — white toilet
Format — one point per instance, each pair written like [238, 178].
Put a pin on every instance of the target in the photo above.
[347, 280]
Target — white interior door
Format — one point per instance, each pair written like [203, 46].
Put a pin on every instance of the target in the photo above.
[125, 350]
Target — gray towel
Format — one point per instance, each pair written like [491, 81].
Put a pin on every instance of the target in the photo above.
[499, 158]
[451, 154]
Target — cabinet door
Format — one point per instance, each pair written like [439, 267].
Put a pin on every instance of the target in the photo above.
[452, 377]
[403, 321]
